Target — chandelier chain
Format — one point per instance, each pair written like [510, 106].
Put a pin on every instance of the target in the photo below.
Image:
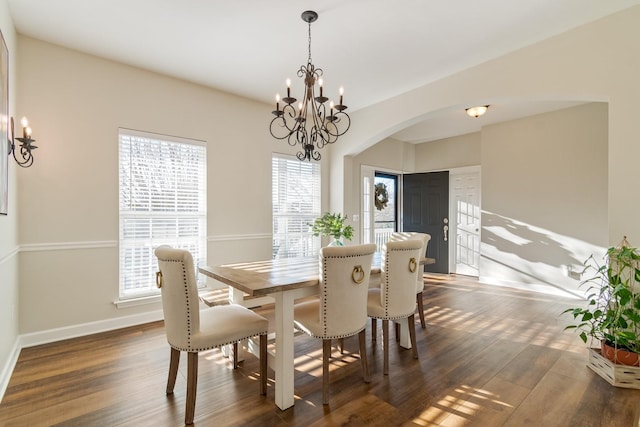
[309, 60]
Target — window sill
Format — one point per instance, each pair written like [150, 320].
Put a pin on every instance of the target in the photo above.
[149, 299]
[133, 302]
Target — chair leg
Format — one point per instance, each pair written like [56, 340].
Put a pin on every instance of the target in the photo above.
[263, 364]
[397, 330]
[420, 309]
[235, 355]
[173, 369]
[341, 345]
[385, 346]
[192, 385]
[362, 337]
[326, 353]
[374, 326]
[412, 335]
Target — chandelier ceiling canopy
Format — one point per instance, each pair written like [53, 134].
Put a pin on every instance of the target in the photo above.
[311, 122]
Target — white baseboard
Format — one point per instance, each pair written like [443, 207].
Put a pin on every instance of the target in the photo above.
[534, 287]
[58, 334]
[8, 368]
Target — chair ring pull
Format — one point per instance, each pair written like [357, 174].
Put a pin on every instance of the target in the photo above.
[413, 265]
[159, 279]
[357, 275]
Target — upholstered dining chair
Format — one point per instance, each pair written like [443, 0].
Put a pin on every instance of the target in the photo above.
[340, 310]
[395, 298]
[191, 330]
[424, 238]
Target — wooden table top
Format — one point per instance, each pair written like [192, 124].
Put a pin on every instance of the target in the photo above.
[261, 278]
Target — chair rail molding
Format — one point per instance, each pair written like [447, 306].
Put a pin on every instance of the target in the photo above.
[13, 252]
[230, 237]
[65, 246]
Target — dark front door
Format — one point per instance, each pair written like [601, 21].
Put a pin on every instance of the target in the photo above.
[425, 209]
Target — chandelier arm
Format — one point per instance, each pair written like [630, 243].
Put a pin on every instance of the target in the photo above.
[340, 117]
[280, 121]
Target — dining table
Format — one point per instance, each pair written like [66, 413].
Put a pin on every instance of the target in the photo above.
[285, 280]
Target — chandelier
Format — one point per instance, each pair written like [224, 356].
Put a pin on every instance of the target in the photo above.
[311, 123]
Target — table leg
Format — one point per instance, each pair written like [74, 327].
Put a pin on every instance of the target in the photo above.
[235, 297]
[405, 340]
[284, 368]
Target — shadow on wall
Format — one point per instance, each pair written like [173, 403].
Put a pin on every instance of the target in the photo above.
[518, 253]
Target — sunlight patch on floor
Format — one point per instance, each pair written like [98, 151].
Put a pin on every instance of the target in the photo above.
[463, 404]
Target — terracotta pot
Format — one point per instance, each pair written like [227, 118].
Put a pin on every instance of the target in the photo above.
[619, 356]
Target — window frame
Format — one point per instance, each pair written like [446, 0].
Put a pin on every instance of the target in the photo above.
[294, 225]
[177, 205]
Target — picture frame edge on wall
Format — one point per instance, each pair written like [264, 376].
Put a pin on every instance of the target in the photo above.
[4, 126]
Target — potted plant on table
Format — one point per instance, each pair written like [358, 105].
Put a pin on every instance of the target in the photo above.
[332, 224]
[612, 314]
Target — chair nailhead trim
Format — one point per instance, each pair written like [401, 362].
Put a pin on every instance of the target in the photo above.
[192, 350]
[386, 288]
[323, 290]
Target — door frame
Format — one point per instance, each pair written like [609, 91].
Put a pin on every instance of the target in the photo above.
[367, 170]
[453, 212]
[370, 172]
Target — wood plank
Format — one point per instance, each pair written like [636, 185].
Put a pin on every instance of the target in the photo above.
[489, 356]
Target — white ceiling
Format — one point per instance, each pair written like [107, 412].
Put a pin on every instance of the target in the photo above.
[374, 48]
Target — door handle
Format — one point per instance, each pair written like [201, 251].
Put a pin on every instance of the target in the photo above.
[445, 229]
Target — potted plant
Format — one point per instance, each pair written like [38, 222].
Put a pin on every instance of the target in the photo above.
[612, 314]
[332, 224]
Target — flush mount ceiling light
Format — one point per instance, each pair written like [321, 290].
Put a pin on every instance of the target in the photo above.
[310, 123]
[477, 111]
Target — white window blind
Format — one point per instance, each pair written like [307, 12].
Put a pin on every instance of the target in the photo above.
[162, 201]
[296, 203]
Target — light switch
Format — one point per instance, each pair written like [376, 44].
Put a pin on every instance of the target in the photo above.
[356, 217]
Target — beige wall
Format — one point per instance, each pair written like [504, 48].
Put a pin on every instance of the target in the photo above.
[589, 63]
[9, 327]
[544, 191]
[69, 198]
[544, 195]
[456, 152]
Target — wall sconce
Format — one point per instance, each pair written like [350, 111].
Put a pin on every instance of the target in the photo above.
[477, 111]
[26, 144]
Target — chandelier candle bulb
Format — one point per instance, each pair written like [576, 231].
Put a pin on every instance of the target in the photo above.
[277, 102]
[27, 132]
[288, 88]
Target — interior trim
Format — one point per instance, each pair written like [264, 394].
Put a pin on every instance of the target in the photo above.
[9, 255]
[79, 330]
[230, 237]
[7, 369]
[100, 244]
[65, 246]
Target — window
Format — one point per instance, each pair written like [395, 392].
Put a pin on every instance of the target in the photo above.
[162, 201]
[385, 214]
[296, 203]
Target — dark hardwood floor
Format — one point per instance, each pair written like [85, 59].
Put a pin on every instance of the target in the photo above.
[490, 356]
